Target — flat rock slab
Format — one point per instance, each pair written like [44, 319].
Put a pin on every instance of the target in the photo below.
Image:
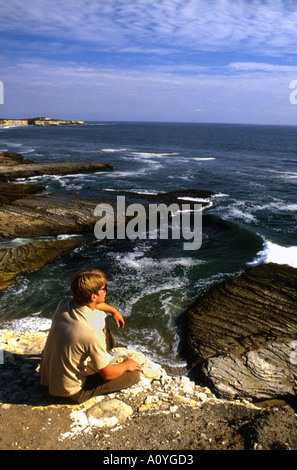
[10, 192]
[11, 158]
[47, 215]
[54, 168]
[109, 413]
[31, 256]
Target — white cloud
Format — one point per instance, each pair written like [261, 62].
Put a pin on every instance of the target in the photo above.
[199, 25]
[262, 67]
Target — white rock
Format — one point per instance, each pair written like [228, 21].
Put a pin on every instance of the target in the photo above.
[109, 413]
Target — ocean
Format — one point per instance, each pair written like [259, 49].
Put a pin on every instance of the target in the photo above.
[251, 219]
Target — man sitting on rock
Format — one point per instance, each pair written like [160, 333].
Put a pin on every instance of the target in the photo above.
[76, 364]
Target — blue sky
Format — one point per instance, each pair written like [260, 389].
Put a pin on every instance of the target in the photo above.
[149, 60]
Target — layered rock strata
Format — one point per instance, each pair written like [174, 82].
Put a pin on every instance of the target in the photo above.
[47, 215]
[11, 158]
[242, 334]
[28, 257]
[25, 215]
[10, 192]
[55, 168]
[14, 165]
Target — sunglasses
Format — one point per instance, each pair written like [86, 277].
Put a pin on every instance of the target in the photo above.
[105, 288]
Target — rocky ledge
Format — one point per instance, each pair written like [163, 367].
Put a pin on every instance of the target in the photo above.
[241, 334]
[39, 121]
[52, 168]
[26, 213]
[160, 412]
[14, 165]
[28, 257]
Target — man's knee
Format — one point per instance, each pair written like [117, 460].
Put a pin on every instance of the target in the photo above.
[135, 376]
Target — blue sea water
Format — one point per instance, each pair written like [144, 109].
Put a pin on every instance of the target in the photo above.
[251, 218]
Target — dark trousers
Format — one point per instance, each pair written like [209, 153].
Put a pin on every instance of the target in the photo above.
[95, 385]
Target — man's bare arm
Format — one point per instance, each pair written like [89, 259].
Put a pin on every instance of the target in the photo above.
[112, 371]
[117, 317]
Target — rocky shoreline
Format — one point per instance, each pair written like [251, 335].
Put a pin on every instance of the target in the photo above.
[239, 344]
[26, 212]
[39, 121]
[161, 412]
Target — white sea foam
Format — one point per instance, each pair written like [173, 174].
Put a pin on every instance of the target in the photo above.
[198, 200]
[154, 166]
[239, 211]
[33, 323]
[181, 177]
[11, 144]
[284, 174]
[126, 174]
[248, 211]
[277, 205]
[202, 159]
[114, 150]
[153, 154]
[28, 150]
[220, 195]
[67, 236]
[273, 253]
[143, 191]
[139, 261]
[135, 191]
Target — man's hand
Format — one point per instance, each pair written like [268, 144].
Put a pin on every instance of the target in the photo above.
[118, 319]
[132, 365]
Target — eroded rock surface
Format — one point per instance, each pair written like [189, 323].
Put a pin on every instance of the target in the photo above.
[28, 257]
[10, 192]
[53, 168]
[10, 158]
[241, 334]
[47, 215]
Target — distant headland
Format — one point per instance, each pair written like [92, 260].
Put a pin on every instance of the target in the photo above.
[38, 121]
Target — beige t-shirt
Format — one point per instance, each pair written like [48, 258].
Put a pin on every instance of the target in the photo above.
[76, 336]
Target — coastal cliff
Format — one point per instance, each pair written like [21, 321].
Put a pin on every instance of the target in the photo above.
[39, 121]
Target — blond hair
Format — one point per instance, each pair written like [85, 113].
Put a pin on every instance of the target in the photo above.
[85, 283]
